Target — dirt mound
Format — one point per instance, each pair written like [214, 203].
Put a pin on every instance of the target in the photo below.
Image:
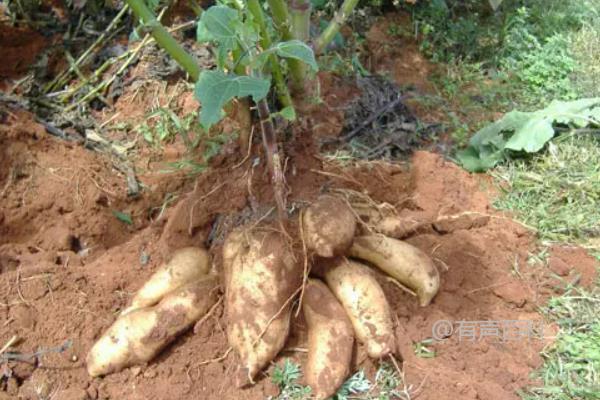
[68, 266]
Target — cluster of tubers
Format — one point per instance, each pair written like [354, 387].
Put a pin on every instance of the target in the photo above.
[178, 294]
[342, 299]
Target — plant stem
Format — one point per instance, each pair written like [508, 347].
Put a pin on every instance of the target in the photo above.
[300, 19]
[335, 24]
[265, 42]
[273, 158]
[281, 20]
[164, 38]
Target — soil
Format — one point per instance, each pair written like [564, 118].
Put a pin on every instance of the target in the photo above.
[20, 47]
[68, 264]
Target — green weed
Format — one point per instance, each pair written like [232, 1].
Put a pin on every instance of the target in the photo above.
[539, 51]
[572, 363]
[285, 376]
[422, 349]
[163, 125]
[388, 385]
[557, 192]
[585, 46]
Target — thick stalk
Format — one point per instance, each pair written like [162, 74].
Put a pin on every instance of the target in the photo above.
[282, 22]
[269, 139]
[335, 24]
[164, 38]
[281, 18]
[265, 42]
[300, 20]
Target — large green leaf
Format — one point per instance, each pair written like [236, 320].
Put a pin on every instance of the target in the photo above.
[531, 136]
[214, 89]
[576, 112]
[492, 134]
[526, 132]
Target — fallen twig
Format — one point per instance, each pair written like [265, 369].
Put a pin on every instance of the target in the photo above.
[25, 357]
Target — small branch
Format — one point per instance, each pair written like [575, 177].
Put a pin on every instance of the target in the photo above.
[105, 84]
[334, 25]
[60, 79]
[164, 38]
[13, 356]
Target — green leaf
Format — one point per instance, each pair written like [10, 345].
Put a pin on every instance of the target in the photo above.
[532, 136]
[473, 161]
[288, 113]
[297, 50]
[125, 218]
[525, 132]
[214, 89]
[218, 24]
[492, 134]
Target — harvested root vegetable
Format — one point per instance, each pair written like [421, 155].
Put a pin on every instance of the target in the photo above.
[330, 340]
[261, 275]
[385, 220]
[186, 265]
[364, 301]
[329, 226]
[402, 261]
[137, 337]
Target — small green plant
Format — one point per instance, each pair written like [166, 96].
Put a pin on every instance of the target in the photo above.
[354, 386]
[422, 349]
[162, 125]
[285, 377]
[249, 46]
[388, 385]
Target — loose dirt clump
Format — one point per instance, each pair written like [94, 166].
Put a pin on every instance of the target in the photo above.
[69, 266]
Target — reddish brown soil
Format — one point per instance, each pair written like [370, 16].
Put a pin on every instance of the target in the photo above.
[20, 47]
[68, 266]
